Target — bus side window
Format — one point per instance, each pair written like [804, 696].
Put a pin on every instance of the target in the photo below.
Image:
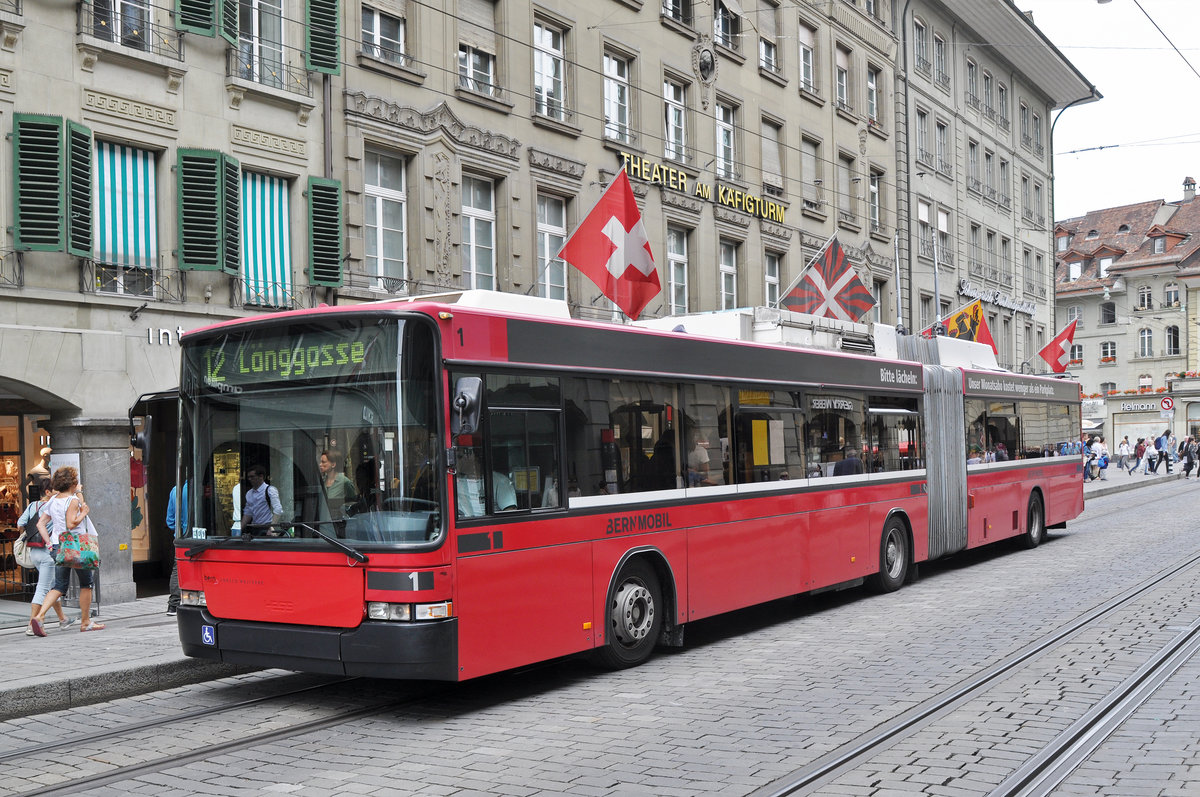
[523, 451]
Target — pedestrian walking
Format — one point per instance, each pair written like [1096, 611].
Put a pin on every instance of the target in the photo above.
[39, 550]
[1188, 447]
[177, 516]
[1124, 450]
[1161, 452]
[65, 512]
[1102, 458]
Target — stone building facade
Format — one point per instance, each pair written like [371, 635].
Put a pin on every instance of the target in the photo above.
[181, 163]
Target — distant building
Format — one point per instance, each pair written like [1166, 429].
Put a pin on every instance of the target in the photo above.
[1125, 274]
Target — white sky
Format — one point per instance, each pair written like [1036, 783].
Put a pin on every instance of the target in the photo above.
[1148, 120]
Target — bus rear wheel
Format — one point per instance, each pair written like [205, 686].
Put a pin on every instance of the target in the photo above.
[634, 617]
[1035, 523]
[893, 557]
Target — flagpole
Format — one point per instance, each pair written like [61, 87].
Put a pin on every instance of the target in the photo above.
[896, 255]
[796, 281]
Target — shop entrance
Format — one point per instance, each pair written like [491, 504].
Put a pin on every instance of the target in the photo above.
[24, 453]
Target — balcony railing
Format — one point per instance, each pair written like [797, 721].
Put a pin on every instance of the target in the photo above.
[923, 64]
[943, 79]
[267, 69]
[130, 26]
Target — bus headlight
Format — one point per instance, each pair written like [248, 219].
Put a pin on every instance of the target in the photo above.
[377, 610]
[192, 597]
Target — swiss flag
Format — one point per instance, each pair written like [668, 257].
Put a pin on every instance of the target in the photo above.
[1058, 351]
[830, 287]
[610, 247]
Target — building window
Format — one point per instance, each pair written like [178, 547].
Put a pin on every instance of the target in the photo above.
[1037, 133]
[266, 236]
[478, 233]
[1145, 302]
[126, 236]
[1076, 352]
[1025, 137]
[1108, 388]
[726, 27]
[923, 153]
[846, 179]
[383, 36]
[677, 269]
[811, 174]
[945, 255]
[872, 95]
[728, 275]
[1160, 244]
[772, 158]
[260, 42]
[1002, 104]
[551, 234]
[1108, 312]
[616, 98]
[477, 70]
[675, 121]
[972, 84]
[939, 61]
[1105, 265]
[549, 71]
[921, 45]
[1074, 270]
[384, 206]
[879, 293]
[1075, 313]
[678, 10]
[771, 262]
[1145, 342]
[808, 77]
[1172, 344]
[1061, 243]
[1171, 295]
[988, 94]
[874, 203]
[121, 21]
[726, 115]
[842, 80]
[942, 147]
[768, 26]
[477, 47]
[1108, 351]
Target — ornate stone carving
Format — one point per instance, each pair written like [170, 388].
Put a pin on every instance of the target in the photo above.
[441, 219]
[675, 199]
[440, 118]
[773, 230]
[270, 142]
[721, 213]
[704, 66]
[130, 110]
[556, 163]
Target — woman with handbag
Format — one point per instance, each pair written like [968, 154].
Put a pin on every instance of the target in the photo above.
[43, 562]
[61, 517]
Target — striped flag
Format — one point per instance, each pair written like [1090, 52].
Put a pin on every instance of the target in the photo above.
[829, 287]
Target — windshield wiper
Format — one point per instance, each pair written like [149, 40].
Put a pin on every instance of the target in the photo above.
[354, 553]
[219, 542]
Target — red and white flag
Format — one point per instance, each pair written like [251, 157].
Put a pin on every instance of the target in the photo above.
[1058, 351]
[830, 287]
[610, 247]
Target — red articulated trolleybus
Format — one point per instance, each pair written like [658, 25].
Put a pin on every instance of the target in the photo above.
[457, 488]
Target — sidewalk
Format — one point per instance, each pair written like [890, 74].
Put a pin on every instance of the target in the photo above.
[139, 650]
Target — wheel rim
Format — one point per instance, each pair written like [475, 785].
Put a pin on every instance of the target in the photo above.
[893, 555]
[1036, 525]
[632, 614]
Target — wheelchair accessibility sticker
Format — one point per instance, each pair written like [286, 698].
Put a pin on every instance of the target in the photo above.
[208, 634]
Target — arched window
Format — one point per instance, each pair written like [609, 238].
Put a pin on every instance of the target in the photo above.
[1144, 300]
[1171, 349]
[1123, 228]
[1145, 342]
[1171, 295]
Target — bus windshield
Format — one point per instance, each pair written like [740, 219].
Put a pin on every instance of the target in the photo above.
[327, 426]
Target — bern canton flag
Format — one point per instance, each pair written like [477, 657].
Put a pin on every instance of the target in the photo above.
[610, 247]
[830, 288]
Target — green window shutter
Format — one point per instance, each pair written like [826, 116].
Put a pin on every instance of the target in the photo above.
[231, 214]
[322, 45]
[325, 223]
[79, 190]
[37, 182]
[229, 21]
[196, 16]
[198, 181]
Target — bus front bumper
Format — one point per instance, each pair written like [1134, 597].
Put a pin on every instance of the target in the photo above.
[421, 651]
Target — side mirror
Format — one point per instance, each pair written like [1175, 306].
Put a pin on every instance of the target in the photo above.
[140, 438]
[468, 398]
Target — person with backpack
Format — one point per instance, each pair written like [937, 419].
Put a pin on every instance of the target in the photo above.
[43, 562]
[1160, 450]
[1141, 456]
[261, 508]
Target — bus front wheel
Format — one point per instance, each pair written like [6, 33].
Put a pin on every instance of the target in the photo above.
[893, 557]
[634, 617]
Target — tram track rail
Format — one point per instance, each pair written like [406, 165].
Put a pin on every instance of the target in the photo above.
[1057, 759]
